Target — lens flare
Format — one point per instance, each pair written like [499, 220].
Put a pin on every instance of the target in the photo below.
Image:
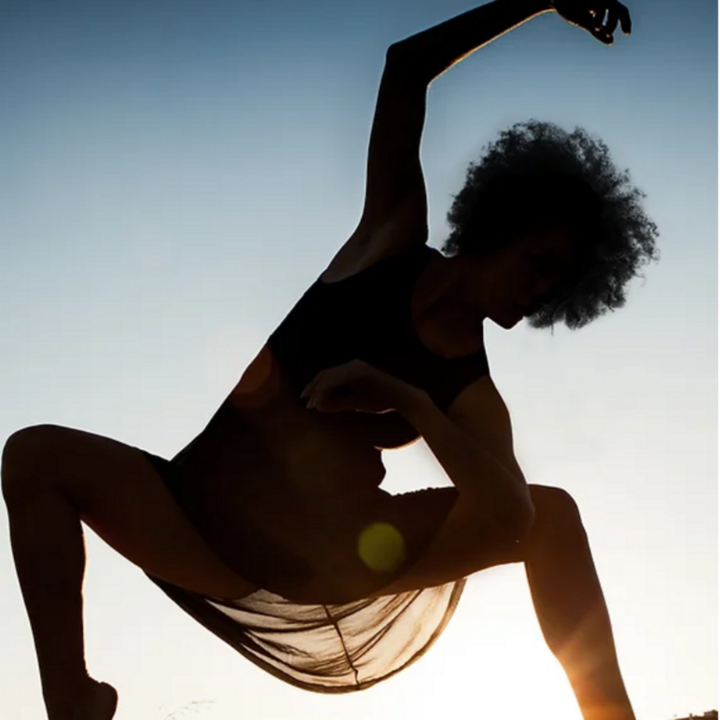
[381, 547]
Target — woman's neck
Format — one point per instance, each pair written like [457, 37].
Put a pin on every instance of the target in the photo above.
[440, 310]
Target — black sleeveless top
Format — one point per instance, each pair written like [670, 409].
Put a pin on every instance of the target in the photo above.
[326, 648]
[368, 316]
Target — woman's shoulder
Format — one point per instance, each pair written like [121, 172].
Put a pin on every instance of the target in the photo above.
[365, 249]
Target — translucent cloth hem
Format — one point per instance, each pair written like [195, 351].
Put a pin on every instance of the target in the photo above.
[334, 648]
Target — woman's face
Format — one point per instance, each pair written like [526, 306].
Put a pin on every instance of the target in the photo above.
[516, 278]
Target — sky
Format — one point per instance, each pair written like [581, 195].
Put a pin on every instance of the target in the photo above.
[173, 177]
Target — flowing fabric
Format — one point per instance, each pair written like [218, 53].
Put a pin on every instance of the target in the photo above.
[326, 648]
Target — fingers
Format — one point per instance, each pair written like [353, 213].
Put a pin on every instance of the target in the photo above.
[309, 388]
[625, 21]
[328, 381]
[602, 28]
[315, 390]
[617, 12]
[612, 21]
[590, 15]
[321, 391]
[317, 396]
[592, 21]
[598, 16]
[327, 397]
[600, 34]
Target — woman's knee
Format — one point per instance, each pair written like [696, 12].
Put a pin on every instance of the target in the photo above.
[555, 509]
[25, 456]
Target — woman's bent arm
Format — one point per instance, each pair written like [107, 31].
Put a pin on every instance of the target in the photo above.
[502, 498]
[431, 52]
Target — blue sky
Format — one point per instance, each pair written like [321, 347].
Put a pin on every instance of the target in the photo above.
[174, 175]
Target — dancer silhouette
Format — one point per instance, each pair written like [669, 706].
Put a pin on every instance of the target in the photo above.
[270, 527]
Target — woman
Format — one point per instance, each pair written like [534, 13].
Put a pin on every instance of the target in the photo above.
[270, 528]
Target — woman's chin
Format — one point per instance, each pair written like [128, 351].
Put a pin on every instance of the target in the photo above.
[509, 318]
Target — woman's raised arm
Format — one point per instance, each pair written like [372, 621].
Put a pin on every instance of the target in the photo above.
[433, 51]
[395, 209]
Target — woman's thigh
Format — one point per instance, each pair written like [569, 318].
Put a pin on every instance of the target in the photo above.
[122, 497]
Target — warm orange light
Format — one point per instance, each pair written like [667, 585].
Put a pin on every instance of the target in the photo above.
[259, 383]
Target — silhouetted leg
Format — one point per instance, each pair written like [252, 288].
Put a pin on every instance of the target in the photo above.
[570, 605]
[49, 552]
[52, 479]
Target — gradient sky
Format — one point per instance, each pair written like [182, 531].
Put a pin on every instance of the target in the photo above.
[175, 174]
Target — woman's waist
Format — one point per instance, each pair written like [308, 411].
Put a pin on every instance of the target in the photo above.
[316, 456]
[285, 542]
[331, 556]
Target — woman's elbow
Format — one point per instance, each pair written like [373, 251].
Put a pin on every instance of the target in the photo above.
[403, 61]
[397, 52]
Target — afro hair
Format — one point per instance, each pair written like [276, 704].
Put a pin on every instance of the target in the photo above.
[535, 173]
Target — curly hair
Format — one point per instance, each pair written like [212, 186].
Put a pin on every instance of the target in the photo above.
[538, 173]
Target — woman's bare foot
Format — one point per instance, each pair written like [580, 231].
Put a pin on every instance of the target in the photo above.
[99, 702]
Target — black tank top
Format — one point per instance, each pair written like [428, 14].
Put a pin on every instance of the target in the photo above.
[368, 316]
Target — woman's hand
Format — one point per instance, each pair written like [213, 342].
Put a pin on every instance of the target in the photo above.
[358, 386]
[589, 15]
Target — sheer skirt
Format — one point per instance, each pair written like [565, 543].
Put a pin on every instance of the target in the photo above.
[325, 648]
